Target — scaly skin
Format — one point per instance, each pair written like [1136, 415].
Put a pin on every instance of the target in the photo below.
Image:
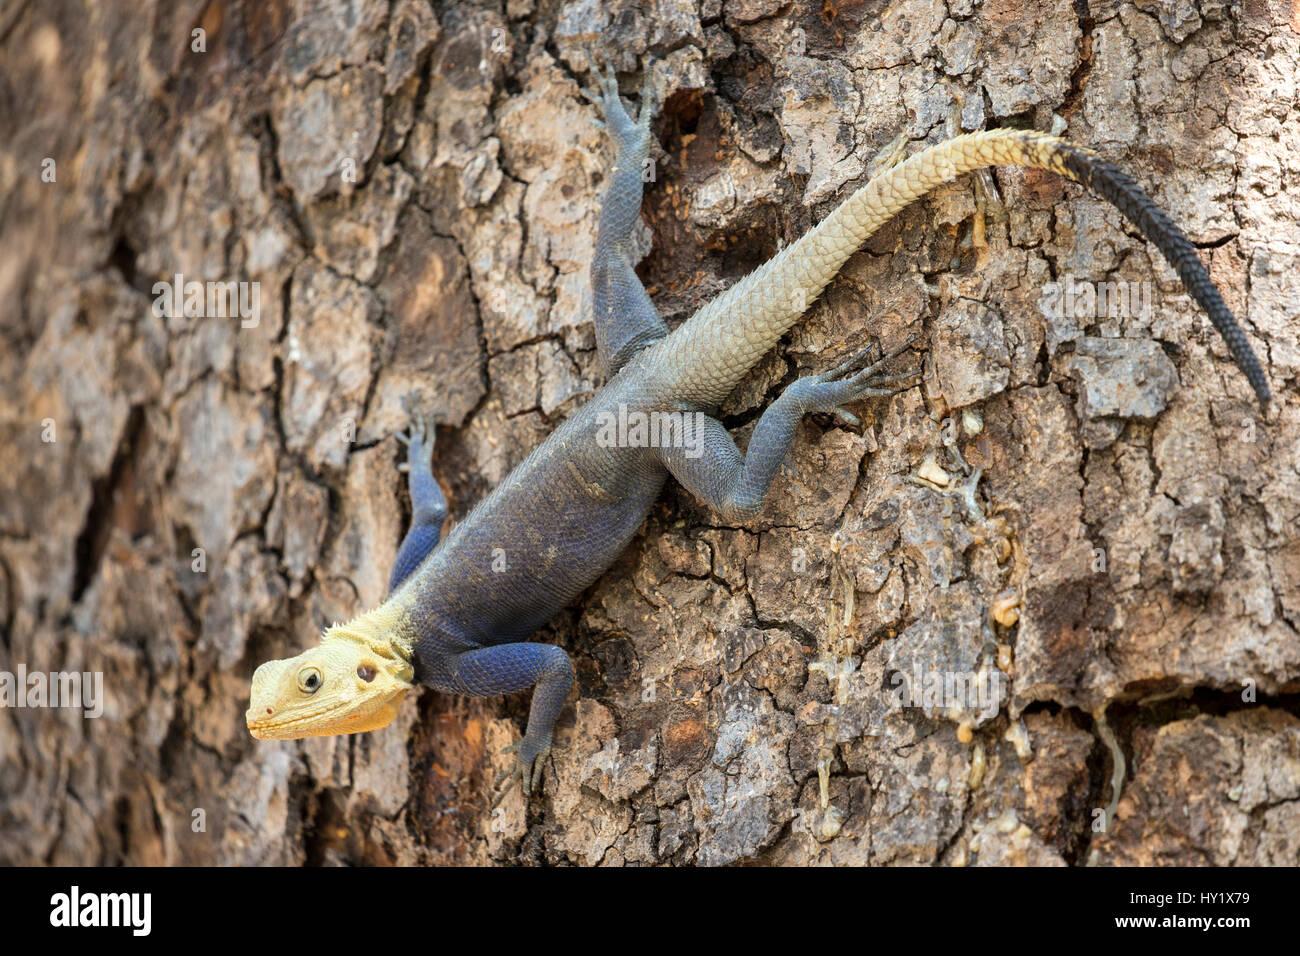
[459, 614]
[716, 346]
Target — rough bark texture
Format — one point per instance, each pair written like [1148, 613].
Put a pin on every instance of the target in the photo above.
[1131, 565]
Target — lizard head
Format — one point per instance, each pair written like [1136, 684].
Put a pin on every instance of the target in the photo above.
[353, 681]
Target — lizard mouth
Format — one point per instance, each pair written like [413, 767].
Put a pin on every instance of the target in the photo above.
[282, 726]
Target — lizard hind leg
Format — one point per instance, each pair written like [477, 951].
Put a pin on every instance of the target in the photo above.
[734, 484]
[624, 317]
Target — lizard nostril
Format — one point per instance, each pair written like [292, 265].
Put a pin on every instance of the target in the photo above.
[270, 711]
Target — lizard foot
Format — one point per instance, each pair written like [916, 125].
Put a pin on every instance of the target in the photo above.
[526, 771]
[628, 133]
[852, 380]
[418, 437]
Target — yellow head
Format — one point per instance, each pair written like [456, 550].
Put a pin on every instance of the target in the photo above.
[353, 681]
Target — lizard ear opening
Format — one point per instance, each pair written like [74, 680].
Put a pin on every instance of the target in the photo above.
[366, 672]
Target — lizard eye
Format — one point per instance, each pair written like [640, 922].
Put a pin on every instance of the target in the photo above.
[309, 680]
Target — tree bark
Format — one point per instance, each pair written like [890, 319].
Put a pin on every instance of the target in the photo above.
[1080, 514]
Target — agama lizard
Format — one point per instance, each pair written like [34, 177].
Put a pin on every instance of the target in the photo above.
[459, 614]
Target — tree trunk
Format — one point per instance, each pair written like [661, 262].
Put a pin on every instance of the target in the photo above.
[1042, 609]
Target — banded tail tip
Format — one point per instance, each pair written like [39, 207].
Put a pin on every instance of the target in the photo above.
[1121, 191]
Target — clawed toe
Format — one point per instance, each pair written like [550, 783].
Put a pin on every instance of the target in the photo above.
[860, 376]
[602, 73]
[524, 771]
[649, 97]
[510, 778]
[418, 432]
[864, 365]
[850, 365]
[870, 388]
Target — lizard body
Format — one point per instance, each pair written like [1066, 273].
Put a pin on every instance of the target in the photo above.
[460, 612]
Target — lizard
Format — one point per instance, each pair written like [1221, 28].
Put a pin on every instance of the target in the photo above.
[460, 612]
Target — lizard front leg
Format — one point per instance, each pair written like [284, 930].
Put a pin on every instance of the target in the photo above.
[736, 485]
[428, 504]
[506, 669]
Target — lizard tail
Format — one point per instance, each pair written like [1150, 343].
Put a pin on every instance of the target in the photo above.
[709, 353]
